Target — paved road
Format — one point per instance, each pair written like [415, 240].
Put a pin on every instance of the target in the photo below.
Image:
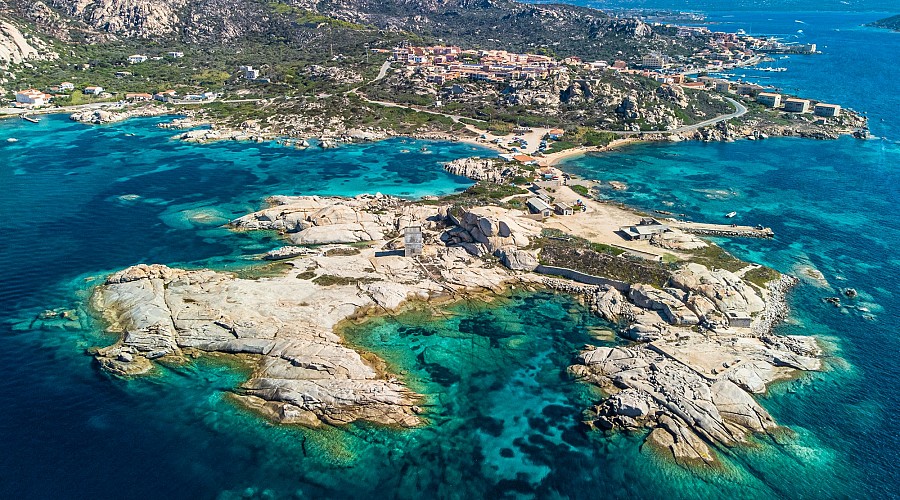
[383, 71]
[455, 118]
[64, 109]
[739, 110]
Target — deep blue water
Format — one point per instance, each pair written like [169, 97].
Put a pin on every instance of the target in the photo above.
[832, 205]
[505, 417]
[744, 6]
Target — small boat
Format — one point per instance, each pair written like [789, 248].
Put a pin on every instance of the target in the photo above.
[423, 149]
[730, 214]
[12, 139]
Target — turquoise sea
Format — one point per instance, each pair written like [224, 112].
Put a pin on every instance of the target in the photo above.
[79, 202]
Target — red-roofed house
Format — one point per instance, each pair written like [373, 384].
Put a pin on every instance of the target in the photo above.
[524, 159]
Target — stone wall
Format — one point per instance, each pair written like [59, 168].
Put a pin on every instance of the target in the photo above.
[582, 278]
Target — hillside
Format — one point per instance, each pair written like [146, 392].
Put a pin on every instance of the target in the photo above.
[562, 30]
[891, 23]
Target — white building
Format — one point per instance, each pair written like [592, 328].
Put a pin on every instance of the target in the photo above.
[645, 229]
[32, 97]
[66, 86]
[175, 55]
[653, 61]
[93, 90]
[249, 73]
[137, 59]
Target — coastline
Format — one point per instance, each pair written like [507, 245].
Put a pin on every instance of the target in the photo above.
[553, 159]
[307, 375]
[819, 197]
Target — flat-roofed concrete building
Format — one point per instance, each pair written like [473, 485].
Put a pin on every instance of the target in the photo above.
[653, 61]
[796, 105]
[739, 319]
[645, 229]
[827, 110]
[748, 89]
[769, 99]
[723, 87]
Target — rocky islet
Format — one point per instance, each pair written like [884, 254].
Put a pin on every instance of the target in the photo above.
[702, 344]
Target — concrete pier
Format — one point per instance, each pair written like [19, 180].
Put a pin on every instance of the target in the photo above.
[722, 230]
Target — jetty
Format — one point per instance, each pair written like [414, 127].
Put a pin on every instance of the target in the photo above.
[723, 230]
[30, 119]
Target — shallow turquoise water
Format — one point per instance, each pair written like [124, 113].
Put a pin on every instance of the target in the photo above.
[504, 415]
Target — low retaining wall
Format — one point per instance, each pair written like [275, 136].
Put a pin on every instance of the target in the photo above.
[587, 279]
[729, 232]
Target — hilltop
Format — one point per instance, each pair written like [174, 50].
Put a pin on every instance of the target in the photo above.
[500, 24]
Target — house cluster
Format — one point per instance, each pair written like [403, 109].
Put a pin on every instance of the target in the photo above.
[723, 51]
[795, 105]
[542, 205]
[724, 86]
[34, 98]
[141, 58]
[173, 96]
[442, 64]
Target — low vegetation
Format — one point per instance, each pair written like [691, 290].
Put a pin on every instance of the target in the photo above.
[761, 275]
[564, 250]
[331, 280]
[715, 257]
[485, 193]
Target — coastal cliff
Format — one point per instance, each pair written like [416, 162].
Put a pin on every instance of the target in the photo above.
[702, 341]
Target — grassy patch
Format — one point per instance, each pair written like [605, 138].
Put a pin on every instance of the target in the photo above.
[558, 146]
[342, 252]
[715, 257]
[484, 193]
[563, 250]
[578, 188]
[330, 280]
[761, 275]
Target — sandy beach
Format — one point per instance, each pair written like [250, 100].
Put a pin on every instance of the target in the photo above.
[555, 158]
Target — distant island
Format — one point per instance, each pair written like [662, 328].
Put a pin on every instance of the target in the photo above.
[891, 23]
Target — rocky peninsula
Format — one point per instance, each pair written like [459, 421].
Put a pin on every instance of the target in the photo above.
[695, 341]
[104, 116]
